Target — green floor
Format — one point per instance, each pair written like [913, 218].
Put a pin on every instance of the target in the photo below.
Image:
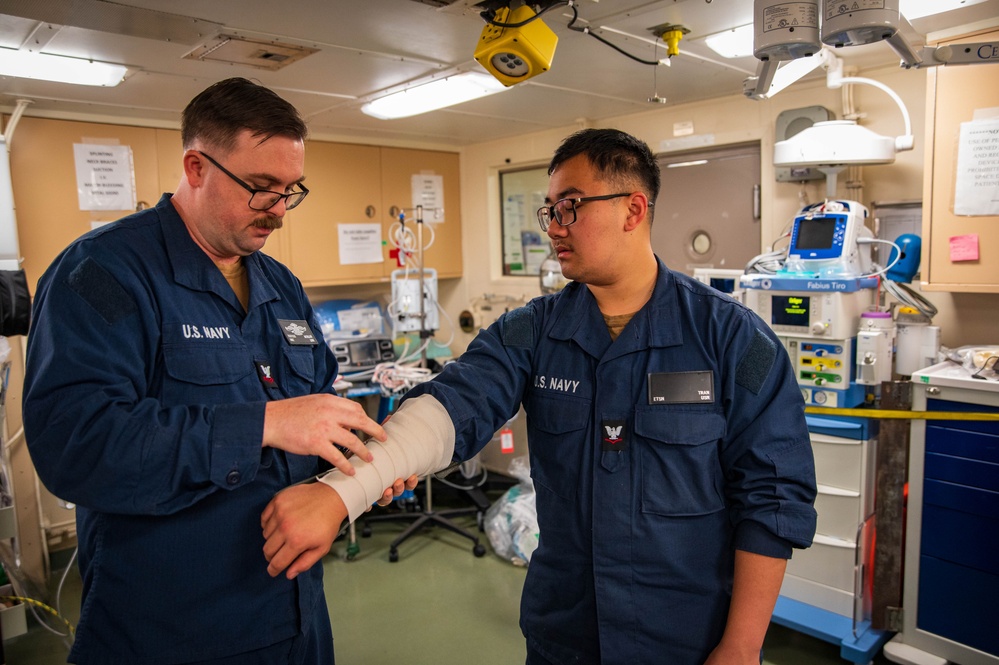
[438, 605]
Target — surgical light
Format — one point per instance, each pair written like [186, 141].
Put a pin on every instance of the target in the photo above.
[518, 49]
[59, 68]
[432, 96]
[849, 24]
[846, 24]
[782, 31]
[833, 145]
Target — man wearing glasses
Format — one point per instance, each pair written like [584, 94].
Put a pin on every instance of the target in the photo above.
[668, 444]
[176, 379]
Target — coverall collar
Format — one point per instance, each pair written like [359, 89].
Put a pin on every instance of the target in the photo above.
[652, 326]
[195, 270]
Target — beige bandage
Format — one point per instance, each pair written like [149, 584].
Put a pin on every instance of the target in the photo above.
[420, 441]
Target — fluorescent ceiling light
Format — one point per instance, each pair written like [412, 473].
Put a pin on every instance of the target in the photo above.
[913, 9]
[59, 68]
[434, 95]
[735, 43]
[678, 165]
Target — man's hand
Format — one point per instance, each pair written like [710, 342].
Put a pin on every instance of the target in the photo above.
[312, 424]
[301, 523]
[398, 487]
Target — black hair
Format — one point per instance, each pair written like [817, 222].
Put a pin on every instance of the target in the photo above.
[224, 109]
[615, 154]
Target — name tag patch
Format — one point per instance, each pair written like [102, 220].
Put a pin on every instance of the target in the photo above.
[297, 332]
[681, 388]
[612, 436]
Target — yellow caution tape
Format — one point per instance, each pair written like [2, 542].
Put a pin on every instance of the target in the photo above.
[32, 601]
[889, 414]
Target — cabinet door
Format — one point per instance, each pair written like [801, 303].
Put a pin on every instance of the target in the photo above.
[954, 95]
[399, 165]
[344, 185]
[44, 180]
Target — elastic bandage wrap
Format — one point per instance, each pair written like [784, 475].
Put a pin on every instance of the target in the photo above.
[420, 441]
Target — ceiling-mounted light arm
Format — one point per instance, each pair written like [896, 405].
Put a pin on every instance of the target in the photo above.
[834, 80]
[758, 87]
[900, 45]
[971, 53]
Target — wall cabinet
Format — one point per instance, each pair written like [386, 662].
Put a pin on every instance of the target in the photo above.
[956, 94]
[349, 184]
[354, 184]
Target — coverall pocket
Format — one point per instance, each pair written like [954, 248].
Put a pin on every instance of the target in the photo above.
[555, 429]
[190, 366]
[301, 370]
[678, 459]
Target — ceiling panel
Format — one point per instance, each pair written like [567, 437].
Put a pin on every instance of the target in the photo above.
[368, 47]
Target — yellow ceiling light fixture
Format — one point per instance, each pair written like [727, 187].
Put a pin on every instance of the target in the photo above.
[516, 45]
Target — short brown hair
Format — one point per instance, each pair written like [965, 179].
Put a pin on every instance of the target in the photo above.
[221, 111]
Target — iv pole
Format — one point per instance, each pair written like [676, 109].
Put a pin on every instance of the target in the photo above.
[428, 517]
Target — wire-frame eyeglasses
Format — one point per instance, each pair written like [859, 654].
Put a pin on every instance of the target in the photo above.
[563, 211]
[264, 199]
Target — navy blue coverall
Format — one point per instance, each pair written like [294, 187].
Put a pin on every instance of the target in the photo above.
[653, 457]
[144, 405]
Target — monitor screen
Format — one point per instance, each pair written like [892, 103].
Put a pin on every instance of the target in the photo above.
[364, 353]
[790, 310]
[815, 233]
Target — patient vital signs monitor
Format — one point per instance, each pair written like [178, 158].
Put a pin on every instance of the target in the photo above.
[824, 241]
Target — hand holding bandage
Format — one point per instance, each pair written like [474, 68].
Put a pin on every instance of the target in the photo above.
[301, 522]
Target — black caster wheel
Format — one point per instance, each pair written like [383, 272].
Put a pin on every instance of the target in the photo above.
[479, 550]
[365, 531]
[393, 556]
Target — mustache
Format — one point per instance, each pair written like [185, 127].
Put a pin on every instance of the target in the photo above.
[270, 223]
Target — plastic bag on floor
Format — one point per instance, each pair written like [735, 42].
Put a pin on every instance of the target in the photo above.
[512, 522]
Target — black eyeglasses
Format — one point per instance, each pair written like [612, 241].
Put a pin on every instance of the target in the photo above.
[563, 211]
[264, 199]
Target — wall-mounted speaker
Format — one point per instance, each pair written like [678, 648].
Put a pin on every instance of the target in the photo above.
[791, 122]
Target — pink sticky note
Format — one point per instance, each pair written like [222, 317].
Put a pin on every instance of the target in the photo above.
[964, 248]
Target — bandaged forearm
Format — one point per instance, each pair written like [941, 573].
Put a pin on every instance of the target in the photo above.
[420, 441]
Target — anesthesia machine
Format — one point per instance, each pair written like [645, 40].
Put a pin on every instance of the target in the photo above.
[821, 297]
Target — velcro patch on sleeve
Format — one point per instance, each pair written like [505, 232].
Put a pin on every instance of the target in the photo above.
[101, 291]
[755, 366]
[518, 328]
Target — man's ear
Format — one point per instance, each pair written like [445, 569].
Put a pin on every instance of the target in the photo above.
[638, 211]
[194, 167]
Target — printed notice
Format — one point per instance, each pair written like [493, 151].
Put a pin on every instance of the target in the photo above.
[428, 191]
[360, 243]
[976, 190]
[104, 177]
